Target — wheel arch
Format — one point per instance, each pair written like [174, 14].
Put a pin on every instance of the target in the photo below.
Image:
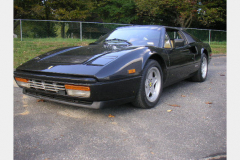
[162, 63]
[203, 50]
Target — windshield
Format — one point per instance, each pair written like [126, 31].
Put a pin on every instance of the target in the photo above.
[134, 36]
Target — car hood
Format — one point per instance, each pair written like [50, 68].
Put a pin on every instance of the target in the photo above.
[74, 55]
[86, 60]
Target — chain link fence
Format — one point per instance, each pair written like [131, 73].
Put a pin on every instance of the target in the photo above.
[28, 29]
[208, 35]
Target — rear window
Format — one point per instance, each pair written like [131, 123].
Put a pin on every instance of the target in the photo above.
[190, 37]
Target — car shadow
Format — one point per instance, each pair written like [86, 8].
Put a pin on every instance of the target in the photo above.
[129, 108]
[174, 89]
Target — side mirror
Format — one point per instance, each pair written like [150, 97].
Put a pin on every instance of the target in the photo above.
[178, 43]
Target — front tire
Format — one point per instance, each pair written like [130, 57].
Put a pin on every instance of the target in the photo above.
[150, 86]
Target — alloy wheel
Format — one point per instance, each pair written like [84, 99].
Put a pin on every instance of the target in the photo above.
[204, 67]
[152, 84]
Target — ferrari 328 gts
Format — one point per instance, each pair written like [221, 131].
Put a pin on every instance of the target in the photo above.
[130, 64]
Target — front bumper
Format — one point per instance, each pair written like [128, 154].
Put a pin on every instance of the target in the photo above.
[103, 94]
[75, 101]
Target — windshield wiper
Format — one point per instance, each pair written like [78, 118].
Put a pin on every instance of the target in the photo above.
[116, 39]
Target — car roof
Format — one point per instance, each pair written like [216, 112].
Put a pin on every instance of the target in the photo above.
[148, 26]
[141, 26]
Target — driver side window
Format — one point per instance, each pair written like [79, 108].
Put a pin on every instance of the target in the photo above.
[175, 36]
[167, 42]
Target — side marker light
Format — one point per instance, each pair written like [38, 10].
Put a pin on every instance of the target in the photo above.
[131, 71]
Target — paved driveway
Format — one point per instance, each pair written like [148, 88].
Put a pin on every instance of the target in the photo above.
[189, 122]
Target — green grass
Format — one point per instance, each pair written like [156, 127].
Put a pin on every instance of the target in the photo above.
[219, 47]
[30, 47]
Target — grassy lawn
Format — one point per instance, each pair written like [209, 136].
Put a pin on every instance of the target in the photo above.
[30, 48]
[219, 47]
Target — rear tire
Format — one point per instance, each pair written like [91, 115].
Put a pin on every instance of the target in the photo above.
[150, 87]
[201, 74]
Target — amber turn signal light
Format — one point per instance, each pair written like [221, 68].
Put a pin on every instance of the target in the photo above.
[131, 71]
[78, 91]
[22, 82]
[75, 87]
[21, 79]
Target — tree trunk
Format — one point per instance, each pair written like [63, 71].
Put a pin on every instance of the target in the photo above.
[16, 24]
[63, 30]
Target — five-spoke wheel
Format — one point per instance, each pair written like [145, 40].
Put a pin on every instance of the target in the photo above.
[151, 85]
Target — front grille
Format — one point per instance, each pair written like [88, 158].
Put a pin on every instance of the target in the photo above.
[47, 86]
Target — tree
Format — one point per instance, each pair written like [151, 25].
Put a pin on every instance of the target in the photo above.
[182, 13]
[52, 10]
[117, 11]
[179, 13]
[23, 10]
[212, 14]
[72, 9]
[35, 9]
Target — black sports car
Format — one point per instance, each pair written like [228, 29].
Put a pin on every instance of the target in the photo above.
[130, 64]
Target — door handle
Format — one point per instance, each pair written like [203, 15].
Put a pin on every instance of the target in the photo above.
[185, 50]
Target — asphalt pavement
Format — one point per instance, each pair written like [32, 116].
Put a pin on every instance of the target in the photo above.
[189, 122]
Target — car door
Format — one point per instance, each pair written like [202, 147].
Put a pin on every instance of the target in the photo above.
[180, 57]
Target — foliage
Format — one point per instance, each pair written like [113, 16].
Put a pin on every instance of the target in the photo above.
[24, 9]
[50, 10]
[184, 13]
[117, 11]
[178, 13]
[213, 14]
[72, 9]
